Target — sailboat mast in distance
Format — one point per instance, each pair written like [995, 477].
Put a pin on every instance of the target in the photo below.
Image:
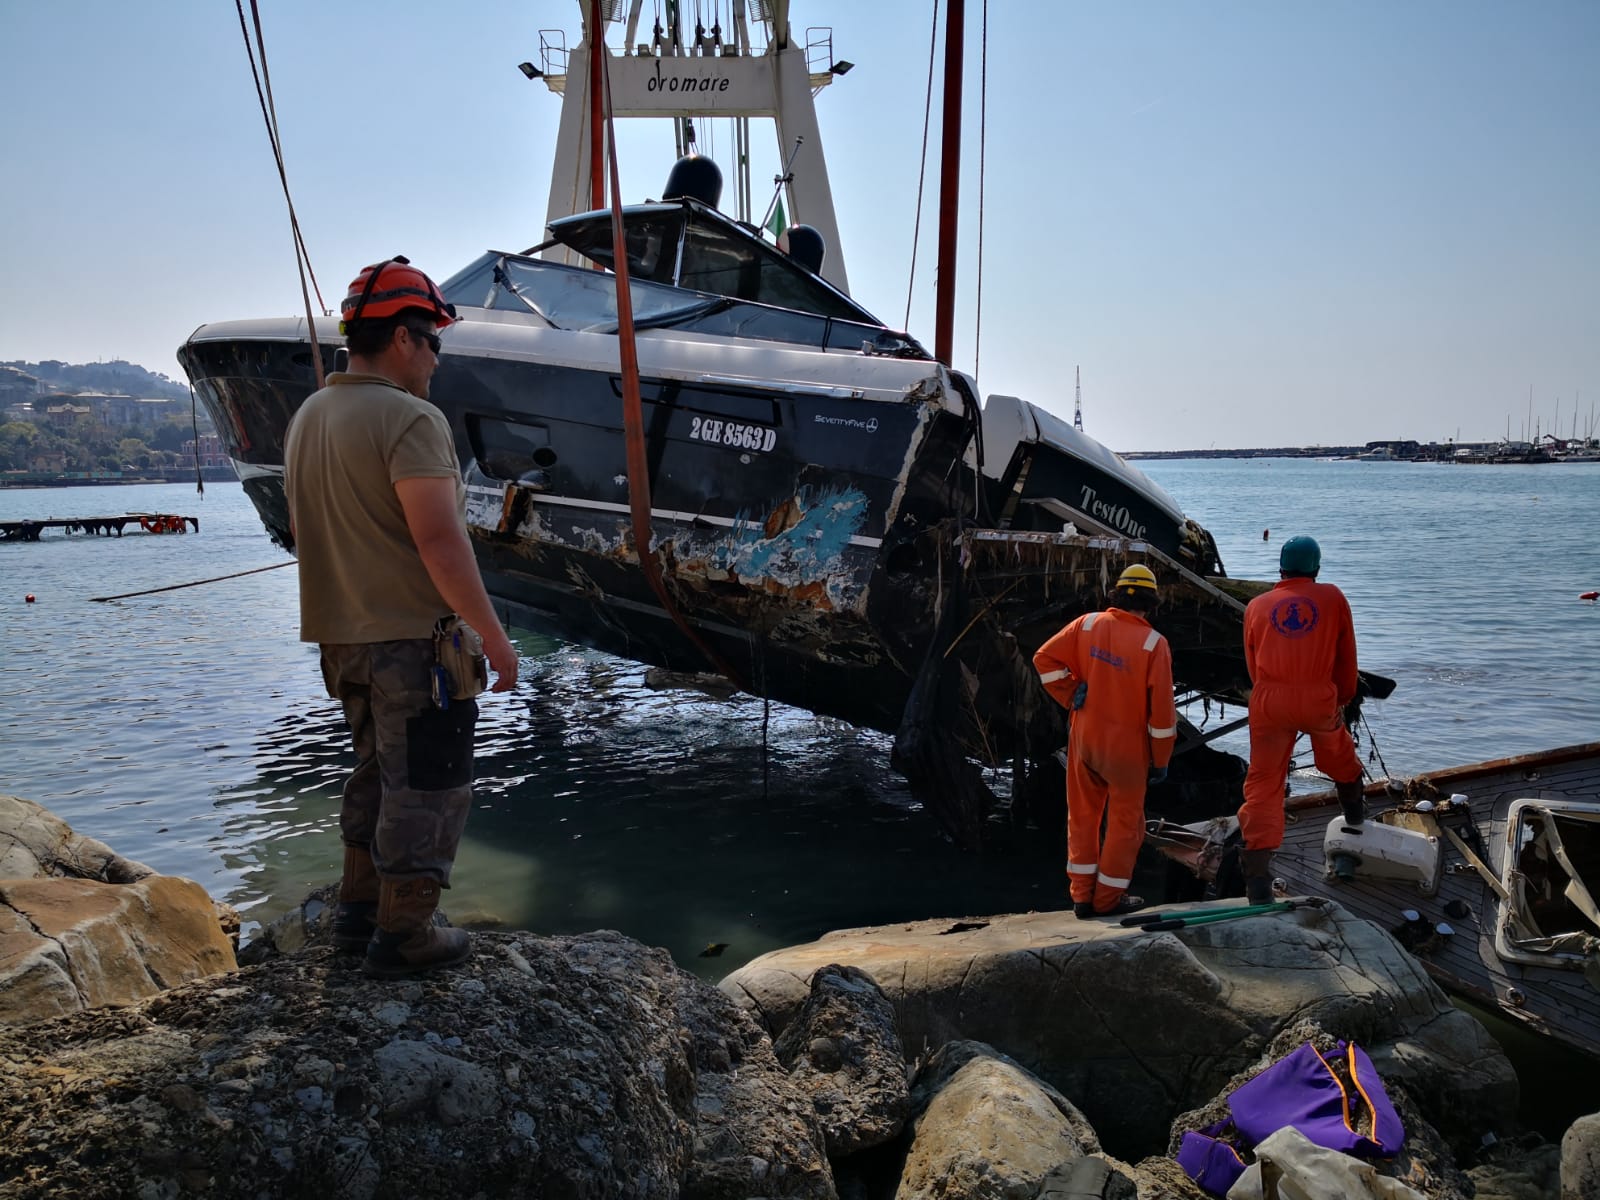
[1077, 403]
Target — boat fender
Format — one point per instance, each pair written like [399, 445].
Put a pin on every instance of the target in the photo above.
[1589, 596]
[805, 245]
[697, 177]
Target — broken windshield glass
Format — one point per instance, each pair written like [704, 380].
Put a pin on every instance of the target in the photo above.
[566, 297]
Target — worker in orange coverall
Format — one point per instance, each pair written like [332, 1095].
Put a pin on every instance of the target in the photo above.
[1114, 673]
[1300, 648]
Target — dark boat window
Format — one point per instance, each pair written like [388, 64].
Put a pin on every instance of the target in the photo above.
[509, 449]
[718, 256]
[652, 233]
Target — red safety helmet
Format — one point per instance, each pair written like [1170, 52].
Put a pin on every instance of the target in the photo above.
[388, 288]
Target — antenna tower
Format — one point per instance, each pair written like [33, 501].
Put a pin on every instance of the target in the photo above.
[1077, 403]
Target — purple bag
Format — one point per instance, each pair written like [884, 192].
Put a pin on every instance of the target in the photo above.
[1301, 1089]
[1213, 1164]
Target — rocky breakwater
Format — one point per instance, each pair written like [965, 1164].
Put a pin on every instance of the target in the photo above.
[82, 927]
[1038, 1040]
[1003, 1057]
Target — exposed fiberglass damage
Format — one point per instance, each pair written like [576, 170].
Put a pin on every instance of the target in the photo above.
[798, 549]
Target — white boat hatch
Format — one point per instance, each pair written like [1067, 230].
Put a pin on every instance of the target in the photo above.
[1551, 876]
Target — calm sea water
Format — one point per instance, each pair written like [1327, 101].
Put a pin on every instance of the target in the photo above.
[188, 729]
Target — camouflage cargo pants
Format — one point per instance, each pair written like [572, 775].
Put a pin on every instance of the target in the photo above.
[411, 790]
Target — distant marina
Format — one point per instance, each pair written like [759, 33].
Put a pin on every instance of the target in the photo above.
[1503, 452]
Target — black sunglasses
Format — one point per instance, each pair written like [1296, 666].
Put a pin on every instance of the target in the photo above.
[426, 335]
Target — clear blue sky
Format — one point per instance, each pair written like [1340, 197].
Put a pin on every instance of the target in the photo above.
[1251, 222]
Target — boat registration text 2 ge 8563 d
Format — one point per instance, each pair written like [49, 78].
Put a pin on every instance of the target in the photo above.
[759, 438]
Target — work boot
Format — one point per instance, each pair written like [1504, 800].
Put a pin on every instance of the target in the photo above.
[356, 916]
[1257, 868]
[407, 941]
[1352, 801]
[1125, 904]
[1083, 910]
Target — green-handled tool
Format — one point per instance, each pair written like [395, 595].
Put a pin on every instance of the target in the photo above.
[1226, 914]
[1240, 911]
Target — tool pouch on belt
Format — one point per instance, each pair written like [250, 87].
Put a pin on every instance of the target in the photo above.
[462, 671]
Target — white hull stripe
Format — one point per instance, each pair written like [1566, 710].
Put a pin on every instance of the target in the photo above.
[1150, 642]
[1082, 868]
[1162, 733]
[870, 543]
[1052, 676]
[1110, 882]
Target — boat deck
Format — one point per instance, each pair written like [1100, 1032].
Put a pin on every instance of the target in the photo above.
[1559, 1001]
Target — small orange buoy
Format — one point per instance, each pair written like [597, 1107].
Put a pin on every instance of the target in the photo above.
[1589, 596]
[28, 599]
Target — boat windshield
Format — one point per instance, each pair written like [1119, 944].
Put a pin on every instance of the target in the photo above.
[701, 250]
[581, 299]
[566, 297]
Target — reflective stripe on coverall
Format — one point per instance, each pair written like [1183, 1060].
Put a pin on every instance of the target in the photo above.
[1300, 648]
[1127, 725]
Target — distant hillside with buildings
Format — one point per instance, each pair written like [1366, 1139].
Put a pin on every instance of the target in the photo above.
[64, 422]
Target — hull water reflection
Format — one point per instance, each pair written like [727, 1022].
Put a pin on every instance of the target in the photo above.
[603, 804]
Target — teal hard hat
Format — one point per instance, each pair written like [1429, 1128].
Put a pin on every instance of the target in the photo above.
[1300, 556]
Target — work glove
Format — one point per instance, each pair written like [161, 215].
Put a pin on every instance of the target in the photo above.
[1158, 775]
[1079, 696]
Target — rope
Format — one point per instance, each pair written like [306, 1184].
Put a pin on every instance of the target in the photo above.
[1376, 753]
[194, 422]
[766, 720]
[179, 586]
[269, 113]
[638, 465]
[983, 149]
[922, 171]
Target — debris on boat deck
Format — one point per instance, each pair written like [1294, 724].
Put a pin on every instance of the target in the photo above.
[1488, 874]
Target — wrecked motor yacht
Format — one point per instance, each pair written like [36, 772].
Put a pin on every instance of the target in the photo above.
[836, 521]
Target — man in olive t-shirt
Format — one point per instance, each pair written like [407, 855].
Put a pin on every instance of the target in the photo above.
[376, 508]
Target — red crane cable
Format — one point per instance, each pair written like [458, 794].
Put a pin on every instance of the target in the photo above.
[597, 131]
[949, 187]
[633, 407]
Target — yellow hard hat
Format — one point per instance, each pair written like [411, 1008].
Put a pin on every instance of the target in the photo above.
[1137, 576]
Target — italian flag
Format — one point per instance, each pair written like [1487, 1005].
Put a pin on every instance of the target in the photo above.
[779, 222]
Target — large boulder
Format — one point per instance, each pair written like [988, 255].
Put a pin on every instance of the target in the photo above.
[844, 1052]
[1580, 1159]
[81, 926]
[37, 844]
[986, 1129]
[576, 1067]
[69, 944]
[1135, 1027]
